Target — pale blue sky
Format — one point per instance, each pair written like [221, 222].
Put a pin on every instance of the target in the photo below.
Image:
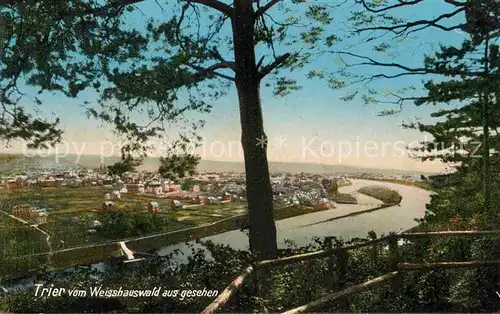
[314, 111]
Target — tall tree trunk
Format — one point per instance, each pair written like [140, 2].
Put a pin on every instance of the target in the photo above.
[486, 135]
[254, 141]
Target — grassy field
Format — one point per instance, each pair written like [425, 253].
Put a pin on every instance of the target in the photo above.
[72, 210]
[18, 239]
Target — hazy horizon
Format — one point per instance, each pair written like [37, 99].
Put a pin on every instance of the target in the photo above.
[152, 164]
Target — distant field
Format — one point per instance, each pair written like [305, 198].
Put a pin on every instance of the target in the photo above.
[72, 210]
[4, 159]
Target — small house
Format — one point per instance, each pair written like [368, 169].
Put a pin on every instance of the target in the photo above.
[174, 188]
[118, 185]
[213, 200]
[95, 224]
[157, 190]
[208, 187]
[74, 183]
[227, 197]
[194, 189]
[40, 218]
[21, 211]
[153, 207]
[176, 204]
[199, 200]
[49, 183]
[115, 195]
[135, 188]
[108, 205]
[129, 178]
[13, 184]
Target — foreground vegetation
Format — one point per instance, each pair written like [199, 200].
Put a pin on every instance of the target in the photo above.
[286, 287]
[457, 290]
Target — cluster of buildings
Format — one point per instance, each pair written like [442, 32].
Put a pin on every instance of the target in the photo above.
[54, 179]
[203, 188]
[385, 176]
[35, 215]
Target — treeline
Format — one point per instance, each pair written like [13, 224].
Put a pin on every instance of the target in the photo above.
[118, 225]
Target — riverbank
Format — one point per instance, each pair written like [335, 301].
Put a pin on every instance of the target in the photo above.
[351, 215]
[423, 185]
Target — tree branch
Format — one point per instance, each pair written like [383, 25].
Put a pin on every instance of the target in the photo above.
[401, 3]
[401, 28]
[215, 4]
[228, 64]
[210, 71]
[275, 64]
[450, 72]
[263, 9]
[104, 10]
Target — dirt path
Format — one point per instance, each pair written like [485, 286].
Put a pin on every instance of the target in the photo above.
[14, 217]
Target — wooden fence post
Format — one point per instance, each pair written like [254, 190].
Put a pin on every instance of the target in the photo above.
[342, 264]
[374, 248]
[394, 260]
[375, 255]
[256, 280]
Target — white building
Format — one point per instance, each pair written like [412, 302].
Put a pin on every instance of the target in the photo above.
[115, 195]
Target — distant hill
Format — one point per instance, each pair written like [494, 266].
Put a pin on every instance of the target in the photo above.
[19, 163]
[152, 163]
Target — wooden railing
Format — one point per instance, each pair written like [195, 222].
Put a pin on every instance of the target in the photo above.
[338, 260]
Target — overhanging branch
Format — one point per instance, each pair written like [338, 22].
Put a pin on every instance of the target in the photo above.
[401, 3]
[211, 71]
[223, 62]
[265, 8]
[106, 9]
[447, 72]
[215, 4]
[275, 64]
[101, 10]
[402, 28]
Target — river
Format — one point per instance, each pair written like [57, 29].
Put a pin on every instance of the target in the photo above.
[301, 229]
